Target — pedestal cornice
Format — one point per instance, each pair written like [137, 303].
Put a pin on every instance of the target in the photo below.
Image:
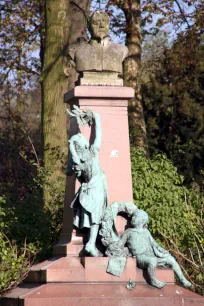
[99, 92]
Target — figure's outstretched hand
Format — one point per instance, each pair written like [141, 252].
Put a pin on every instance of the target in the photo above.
[82, 117]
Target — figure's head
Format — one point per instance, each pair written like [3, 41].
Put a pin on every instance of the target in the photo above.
[99, 24]
[78, 146]
[139, 219]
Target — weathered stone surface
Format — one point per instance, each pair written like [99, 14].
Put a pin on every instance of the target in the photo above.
[98, 95]
[116, 265]
[101, 78]
[98, 55]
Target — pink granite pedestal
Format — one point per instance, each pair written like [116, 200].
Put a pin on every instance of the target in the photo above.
[89, 294]
[73, 269]
[75, 281]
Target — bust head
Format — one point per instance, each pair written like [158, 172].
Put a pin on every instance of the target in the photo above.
[99, 24]
[99, 55]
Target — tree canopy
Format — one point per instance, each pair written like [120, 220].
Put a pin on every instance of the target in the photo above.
[173, 105]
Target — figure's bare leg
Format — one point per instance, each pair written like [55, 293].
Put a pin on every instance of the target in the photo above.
[91, 244]
[151, 268]
[170, 261]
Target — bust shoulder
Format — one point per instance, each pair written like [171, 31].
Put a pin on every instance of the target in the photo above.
[123, 50]
[84, 50]
[75, 47]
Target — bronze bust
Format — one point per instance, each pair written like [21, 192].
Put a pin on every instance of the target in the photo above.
[99, 54]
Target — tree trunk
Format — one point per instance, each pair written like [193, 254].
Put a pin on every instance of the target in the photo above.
[60, 28]
[54, 86]
[132, 64]
[79, 11]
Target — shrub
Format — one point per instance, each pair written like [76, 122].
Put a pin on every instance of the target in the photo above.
[23, 213]
[14, 263]
[175, 211]
[28, 220]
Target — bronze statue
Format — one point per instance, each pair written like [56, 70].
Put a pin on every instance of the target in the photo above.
[136, 242]
[91, 211]
[148, 253]
[91, 199]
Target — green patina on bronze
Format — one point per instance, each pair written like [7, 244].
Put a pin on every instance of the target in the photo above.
[148, 253]
[91, 199]
[91, 211]
[140, 244]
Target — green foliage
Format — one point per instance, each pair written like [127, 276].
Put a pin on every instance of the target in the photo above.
[31, 222]
[175, 211]
[14, 260]
[173, 105]
[23, 216]
[14, 263]
[158, 189]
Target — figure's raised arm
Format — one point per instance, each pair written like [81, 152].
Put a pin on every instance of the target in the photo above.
[98, 131]
[87, 117]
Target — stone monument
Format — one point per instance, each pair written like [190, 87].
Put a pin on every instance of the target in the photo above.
[99, 61]
[95, 262]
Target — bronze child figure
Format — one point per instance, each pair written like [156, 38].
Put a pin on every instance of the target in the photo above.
[91, 199]
[148, 253]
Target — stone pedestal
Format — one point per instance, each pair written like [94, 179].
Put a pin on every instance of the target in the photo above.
[111, 103]
[78, 294]
[76, 281]
[71, 269]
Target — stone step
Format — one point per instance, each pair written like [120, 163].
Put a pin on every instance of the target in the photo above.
[90, 269]
[45, 264]
[62, 269]
[105, 295]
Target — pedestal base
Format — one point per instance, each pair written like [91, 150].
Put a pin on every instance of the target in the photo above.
[82, 281]
[90, 269]
[101, 294]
